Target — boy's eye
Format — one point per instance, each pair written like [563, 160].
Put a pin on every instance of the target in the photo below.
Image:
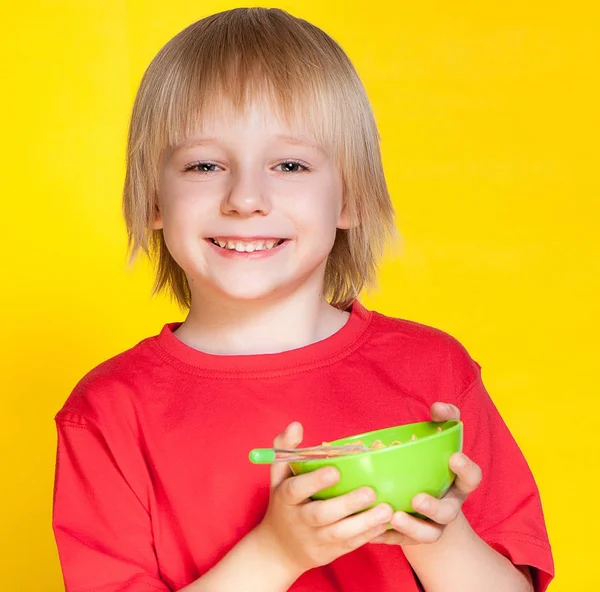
[291, 166]
[202, 167]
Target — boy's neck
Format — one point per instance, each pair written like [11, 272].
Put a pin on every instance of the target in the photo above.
[260, 327]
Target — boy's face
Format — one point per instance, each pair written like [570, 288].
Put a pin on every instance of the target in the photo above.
[249, 207]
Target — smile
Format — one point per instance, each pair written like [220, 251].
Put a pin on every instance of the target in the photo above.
[247, 245]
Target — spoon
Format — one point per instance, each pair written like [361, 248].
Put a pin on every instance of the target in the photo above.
[270, 455]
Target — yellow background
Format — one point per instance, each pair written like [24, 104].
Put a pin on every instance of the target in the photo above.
[489, 125]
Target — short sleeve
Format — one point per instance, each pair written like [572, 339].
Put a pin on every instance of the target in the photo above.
[102, 528]
[505, 511]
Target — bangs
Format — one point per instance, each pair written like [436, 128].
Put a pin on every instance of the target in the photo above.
[300, 111]
[228, 67]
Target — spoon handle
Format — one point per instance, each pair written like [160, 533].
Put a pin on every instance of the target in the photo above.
[271, 455]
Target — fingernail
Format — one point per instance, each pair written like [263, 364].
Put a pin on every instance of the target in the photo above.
[449, 408]
[423, 505]
[368, 495]
[382, 512]
[330, 476]
[460, 462]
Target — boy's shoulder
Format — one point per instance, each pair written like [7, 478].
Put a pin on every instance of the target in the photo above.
[111, 385]
[422, 348]
[412, 334]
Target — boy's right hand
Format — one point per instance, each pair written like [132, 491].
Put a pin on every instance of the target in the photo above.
[307, 534]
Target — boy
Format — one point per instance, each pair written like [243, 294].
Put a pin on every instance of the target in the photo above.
[254, 177]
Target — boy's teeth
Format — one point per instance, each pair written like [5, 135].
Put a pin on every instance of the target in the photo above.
[244, 247]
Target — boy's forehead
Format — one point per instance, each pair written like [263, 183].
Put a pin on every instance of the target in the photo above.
[257, 120]
[206, 139]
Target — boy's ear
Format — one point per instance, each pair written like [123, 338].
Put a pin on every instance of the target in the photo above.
[344, 222]
[157, 221]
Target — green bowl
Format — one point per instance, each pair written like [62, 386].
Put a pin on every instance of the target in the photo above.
[396, 473]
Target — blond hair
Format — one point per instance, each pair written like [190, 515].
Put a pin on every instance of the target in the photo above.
[247, 54]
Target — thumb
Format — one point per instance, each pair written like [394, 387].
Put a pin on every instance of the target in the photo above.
[444, 411]
[289, 438]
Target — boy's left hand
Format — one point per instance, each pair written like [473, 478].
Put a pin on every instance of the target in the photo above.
[410, 530]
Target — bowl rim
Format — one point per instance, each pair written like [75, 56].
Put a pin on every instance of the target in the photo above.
[458, 426]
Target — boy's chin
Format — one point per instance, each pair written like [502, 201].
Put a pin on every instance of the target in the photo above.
[252, 293]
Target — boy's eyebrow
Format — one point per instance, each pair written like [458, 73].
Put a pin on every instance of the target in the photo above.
[192, 142]
[288, 139]
[300, 141]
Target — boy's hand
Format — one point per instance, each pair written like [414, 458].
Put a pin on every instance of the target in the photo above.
[410, 530]
[305, 534]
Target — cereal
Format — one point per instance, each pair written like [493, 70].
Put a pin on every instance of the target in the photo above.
[376, 445]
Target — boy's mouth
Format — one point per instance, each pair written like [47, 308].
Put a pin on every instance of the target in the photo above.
[244, 245]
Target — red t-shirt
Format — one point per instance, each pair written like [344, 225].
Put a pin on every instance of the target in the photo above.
[154, 486]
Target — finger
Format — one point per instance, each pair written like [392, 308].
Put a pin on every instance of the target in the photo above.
[443, 412]
[468, 476]
[442, 511]
[324, 512]
[365, 537]
[355, 526]
[295, 490]
[289, 438]
[418, 530]
[392, 537]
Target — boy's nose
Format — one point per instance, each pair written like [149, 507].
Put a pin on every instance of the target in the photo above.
[246, 197]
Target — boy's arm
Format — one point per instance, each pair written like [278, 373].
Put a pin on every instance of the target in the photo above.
[461, 562]
[253, 565]
[106, 541]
